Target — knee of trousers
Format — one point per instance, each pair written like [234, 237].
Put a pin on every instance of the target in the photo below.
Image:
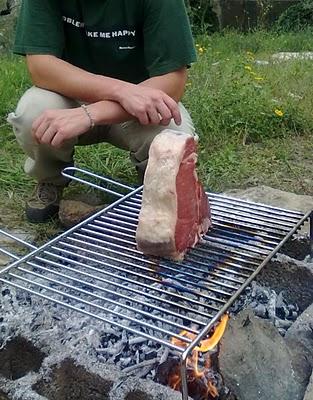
[30, 106]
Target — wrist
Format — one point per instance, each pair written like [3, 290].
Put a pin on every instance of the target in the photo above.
[118, 90]
[92, 122]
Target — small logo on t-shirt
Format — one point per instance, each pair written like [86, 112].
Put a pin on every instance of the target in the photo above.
[127, 47]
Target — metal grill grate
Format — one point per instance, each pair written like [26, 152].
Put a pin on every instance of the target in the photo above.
[13, 247]
[96, 269]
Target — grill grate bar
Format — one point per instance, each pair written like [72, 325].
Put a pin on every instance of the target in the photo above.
[242, 206]
[267, 233]
[101, 289]
[194, 251]
[255, 242]
[89, 303]
[119, 286]
[246, 257]
[132, 215]
[255, 216]
[225, 258]
[252, 222]
[160, 272]
[132, 281]
[246, 204]
[9, 254]
[270, 240]
[83, 311]
[258, 248]
[235, 244]
[164, 266]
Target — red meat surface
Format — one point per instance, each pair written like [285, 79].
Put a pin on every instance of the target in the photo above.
[175, 210]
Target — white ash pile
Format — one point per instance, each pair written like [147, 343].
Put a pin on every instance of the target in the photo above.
[266, 303]
[63, 334]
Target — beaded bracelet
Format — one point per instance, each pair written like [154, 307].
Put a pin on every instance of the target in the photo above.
[92, 122]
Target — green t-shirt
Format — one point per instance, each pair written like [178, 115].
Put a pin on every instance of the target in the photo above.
[130, 40]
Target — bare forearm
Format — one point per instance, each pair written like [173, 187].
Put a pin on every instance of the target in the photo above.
[153, 101]
[52, 73]
[172, 83]
[113, 113]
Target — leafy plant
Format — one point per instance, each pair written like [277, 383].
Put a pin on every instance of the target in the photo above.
[297, 17]
[202, 16]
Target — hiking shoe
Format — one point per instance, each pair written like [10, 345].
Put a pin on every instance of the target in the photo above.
[44, 203]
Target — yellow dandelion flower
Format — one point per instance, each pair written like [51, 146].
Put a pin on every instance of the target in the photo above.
[259, 78]
[248, 68]
[201, 50]
[249, 53]
[252, 73]
[279, 112]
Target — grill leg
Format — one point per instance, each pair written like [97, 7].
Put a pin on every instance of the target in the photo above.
[311, 235]
[183, 372]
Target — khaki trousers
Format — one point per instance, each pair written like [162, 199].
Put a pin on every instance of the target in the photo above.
[45, 163]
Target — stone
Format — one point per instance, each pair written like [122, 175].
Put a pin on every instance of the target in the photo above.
[3, 396]
[274, 197]
[4, 260]
[302, 332]
[257, 363]
[309, 391]
[72, 212]
[287, 56]
[13, 246]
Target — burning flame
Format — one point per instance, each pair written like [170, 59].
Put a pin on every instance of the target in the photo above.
[193, 361]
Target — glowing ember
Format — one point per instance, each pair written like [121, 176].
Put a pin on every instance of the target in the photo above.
[193, 361]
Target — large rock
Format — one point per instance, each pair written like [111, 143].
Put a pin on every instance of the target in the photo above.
[309, 392]
[274, 197]
[14, 247]
[257, 363]
[287, 56]
[73, 212]
[302, 332]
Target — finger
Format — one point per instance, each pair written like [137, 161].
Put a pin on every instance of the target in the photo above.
[173, 106]
[37, 122]
[143, 118]
[58, 139]
[41, 129]
[165, 114]
[154, 117]
[48, 135]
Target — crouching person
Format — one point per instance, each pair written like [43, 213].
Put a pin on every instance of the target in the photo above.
[102, 71]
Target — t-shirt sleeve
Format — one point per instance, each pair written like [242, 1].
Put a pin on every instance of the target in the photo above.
[168, 41]
[39, 28]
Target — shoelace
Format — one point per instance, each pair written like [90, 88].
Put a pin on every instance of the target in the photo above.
[47, 192]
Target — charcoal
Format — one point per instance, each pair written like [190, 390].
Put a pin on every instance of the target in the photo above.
[150, 355]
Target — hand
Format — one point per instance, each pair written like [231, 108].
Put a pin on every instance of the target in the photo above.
[54, 127]
[148, 105]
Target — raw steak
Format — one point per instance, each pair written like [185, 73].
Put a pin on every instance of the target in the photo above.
[175, 210]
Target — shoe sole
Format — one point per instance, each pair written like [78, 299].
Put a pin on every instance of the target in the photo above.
[37, 216]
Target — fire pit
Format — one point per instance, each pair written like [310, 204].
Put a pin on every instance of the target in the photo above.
[96, 269]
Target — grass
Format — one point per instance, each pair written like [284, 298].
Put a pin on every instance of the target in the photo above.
[254, 119]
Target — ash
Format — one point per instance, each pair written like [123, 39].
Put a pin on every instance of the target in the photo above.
[62, 332]
[266, 303]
